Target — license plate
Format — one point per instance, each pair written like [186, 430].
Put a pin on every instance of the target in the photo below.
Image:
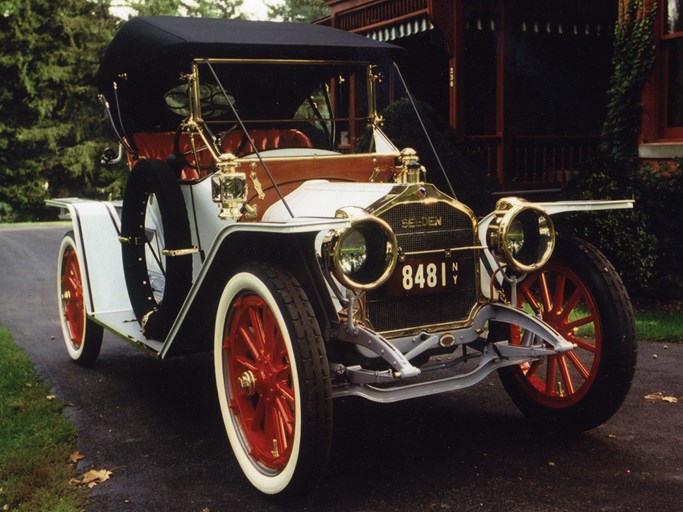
[424, 275]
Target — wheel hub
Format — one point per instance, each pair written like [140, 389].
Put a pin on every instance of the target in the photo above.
[246, 383]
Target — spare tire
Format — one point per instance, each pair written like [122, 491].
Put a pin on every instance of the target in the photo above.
[153, 189]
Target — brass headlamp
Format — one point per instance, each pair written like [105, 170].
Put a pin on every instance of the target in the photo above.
[521, 235]
[363, 255]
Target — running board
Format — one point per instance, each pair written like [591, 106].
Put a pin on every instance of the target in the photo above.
[124, 324]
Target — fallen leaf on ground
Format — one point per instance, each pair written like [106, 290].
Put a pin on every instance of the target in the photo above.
[92, 478]
[76, 456]
[659, 396]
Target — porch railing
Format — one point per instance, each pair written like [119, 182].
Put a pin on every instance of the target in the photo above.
[534, 161]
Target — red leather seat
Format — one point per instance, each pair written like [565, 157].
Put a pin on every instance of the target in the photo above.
[265, 139]
[159, 145]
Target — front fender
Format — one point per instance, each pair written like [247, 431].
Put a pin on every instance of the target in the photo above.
[488, 262]
[291, 245]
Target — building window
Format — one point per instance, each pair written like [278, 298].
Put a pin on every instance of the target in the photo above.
[671, 69]
[673, 17]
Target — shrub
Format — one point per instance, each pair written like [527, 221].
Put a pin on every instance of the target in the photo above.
[470, 184]
[625, 236]
[6, 213]
[658, 193]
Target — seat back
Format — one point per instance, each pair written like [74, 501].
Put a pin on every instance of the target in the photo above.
[159, 145]
[264, 139]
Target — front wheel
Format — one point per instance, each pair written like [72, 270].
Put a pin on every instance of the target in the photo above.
[273, 380]
[579, 293]
[82, 336]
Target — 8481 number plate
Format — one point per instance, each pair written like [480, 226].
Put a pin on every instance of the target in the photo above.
[421, 276]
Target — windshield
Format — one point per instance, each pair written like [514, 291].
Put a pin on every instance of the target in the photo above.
[283, 104]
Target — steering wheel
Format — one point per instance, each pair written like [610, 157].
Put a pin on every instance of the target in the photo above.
[180, 158]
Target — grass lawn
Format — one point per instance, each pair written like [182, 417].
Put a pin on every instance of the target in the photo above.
[36, 440]
[654, 325]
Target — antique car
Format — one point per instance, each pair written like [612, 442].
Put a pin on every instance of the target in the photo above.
[268, 219]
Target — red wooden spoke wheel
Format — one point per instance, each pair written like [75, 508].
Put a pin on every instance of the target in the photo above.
[82, 336]
[263, 396]
[579, 293]
[72, 297]
[561, 299]
[273, 381]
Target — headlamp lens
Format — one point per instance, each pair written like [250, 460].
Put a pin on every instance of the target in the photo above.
[353, 252]
[514, 239]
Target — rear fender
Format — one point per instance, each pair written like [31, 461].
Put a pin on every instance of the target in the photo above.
[96, 231]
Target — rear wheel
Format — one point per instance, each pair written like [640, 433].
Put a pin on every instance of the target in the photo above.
[580, 295]
[273, 380]
[82, 336]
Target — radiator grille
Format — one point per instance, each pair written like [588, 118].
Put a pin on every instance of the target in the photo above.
[455, 229]
[421, 227]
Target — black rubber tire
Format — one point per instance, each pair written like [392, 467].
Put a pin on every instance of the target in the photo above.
[154, 177]
[257, 291]
[595, 398]
[82, 336]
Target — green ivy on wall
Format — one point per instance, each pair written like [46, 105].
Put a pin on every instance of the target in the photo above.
[633, 59]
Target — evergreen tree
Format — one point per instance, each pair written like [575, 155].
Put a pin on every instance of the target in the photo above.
[302, 11]
[155, 7]
[200, 8]
[52, 129]
[217, 9]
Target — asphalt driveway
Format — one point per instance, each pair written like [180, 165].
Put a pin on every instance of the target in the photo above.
[156, 425]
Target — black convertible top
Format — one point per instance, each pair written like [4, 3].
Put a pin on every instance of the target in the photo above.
[148, 54]
[163, 43]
